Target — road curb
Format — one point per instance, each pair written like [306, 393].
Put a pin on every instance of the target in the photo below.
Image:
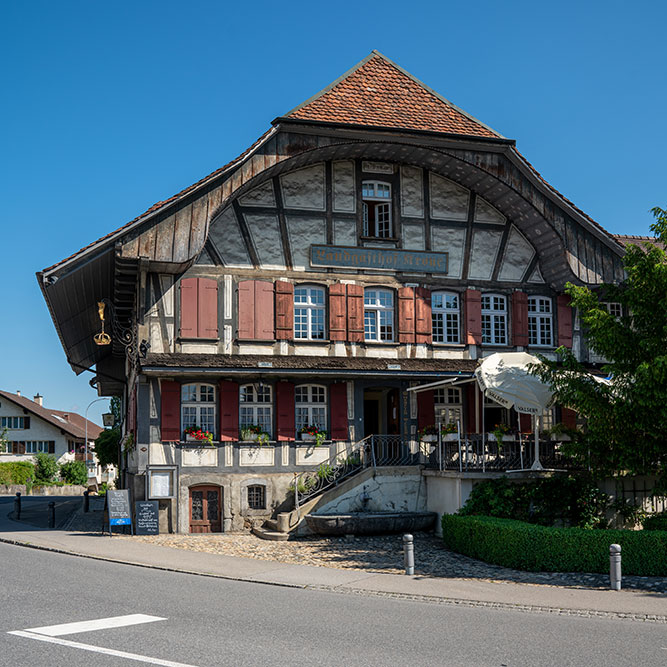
[340, 590]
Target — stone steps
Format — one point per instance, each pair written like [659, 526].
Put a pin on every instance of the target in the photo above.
[266, 533]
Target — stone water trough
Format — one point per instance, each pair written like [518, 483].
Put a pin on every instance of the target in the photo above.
[370, 523]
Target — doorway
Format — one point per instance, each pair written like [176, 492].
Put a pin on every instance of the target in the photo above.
[205, 509]
[382, 411]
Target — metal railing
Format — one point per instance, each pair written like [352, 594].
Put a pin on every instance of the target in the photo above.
[475, 452]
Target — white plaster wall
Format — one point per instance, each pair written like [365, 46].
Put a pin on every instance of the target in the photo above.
[413, 235]
[262, 195]
[265, 233]
[518, 254]
[398, 490]
[304, 231]
[412, 192]
[485, 246]
[449, 200]
[304, 188]
[345, 231]
[450, 240]
[344, 196]
[484, 212]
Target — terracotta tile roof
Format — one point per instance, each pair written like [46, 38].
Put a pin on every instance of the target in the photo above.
[627, 239]
[378, 93]
[70, 422]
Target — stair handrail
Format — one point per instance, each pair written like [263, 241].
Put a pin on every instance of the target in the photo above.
[341, 465]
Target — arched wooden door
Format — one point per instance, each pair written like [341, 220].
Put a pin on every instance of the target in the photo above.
[205, 509]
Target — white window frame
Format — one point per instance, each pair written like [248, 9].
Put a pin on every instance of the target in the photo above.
[379, 194]
[12, 423]
[199, 406]
[307, 323]
[310, 406]
[379, 318]
[540, 321]
[446, 317]
[256, 406]
[448, 404]
[494, 319]
[36, 446]
[614, 308]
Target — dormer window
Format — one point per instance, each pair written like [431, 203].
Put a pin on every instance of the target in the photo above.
[376, 209]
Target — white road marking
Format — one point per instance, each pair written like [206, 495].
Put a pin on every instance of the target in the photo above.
[99, 649]
[97, 624]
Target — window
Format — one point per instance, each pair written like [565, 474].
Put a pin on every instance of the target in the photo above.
[256, 407]
[448, 405]
[198, 406]
[309, 313]
[445, 314]
[379, 315]
[257, 497]
[613, 308]
[35, 446]
[376, 209]
[14, 422]
[311, 406]
[540, 321]
[494, 319]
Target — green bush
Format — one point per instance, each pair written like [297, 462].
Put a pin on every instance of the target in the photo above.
[16, 472]
[46, 468]
[74, 472]
[655, 522]
[531, 547]
[566, 500]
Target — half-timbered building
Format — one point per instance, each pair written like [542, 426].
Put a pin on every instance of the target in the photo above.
[376, 237]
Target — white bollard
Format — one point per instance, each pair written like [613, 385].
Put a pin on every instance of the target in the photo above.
[615, 567]
[409, 554]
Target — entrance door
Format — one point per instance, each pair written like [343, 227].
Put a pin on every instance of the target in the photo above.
[205, 509]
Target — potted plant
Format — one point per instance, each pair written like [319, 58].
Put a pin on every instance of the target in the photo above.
[428, 433]
[254, 433]
[195, 434]
[449, 431]
[500, 432]
[561, 433]
[314, 434]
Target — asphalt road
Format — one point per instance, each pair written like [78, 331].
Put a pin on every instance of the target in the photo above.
[34, 509]
[218, 622]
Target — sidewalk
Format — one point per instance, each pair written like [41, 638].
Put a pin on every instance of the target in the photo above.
[632, 604]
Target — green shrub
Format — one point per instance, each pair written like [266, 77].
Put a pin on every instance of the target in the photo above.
[74, 472]
[46, 468]
[16, 472]
[564, 499]
[531, 547]
[655, 522]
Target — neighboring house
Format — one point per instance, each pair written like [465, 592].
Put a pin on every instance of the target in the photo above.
[375, 238]
[32, 428]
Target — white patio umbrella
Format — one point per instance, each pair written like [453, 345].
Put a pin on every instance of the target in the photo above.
[504, 378]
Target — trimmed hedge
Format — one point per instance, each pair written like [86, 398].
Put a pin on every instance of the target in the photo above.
[16, 472]
[527, 546]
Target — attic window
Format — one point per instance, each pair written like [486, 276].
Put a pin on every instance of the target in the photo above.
[376, 209]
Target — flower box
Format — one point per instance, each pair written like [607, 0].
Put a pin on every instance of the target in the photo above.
[450, 437]
[506, 438]
[430, 438]
[308, 437]
[247, 436]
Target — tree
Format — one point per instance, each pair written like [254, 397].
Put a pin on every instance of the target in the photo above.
[626, 419]
[74, 472]
[46, 467]
[106, 444]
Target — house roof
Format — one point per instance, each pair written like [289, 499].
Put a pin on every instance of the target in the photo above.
[70, 422]
[376, 92]
[628, 239]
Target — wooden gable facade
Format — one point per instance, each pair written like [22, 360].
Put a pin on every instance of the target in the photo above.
[366, 243]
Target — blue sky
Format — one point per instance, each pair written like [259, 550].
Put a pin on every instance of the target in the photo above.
[110, 107]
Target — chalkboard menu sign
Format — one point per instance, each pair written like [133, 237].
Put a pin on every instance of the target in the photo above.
[146, 519]
[118, 504]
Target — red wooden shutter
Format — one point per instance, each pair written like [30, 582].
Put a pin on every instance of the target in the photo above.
[21, 445]
[425, 408]
[525, 423]
[564, 321]
[473, 303]
[188, 308]
[207, 308]
[568, 417]
[264, 323]
[469, 416]
[132, 411]
[284, 310]
[355, 313]
[338, 408]
[26, 422]
[229, 410]
[52, 446]
[519, 318]
[406, 315]
[285, 418]
[337, 312]
[246, 324]
[170, 410]
[423, 321]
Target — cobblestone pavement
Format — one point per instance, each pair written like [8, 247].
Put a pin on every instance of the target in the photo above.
[382, 554]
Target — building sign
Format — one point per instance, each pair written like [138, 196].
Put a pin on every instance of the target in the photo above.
[378, 258]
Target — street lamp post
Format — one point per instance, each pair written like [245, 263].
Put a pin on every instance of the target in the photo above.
[97, 400]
